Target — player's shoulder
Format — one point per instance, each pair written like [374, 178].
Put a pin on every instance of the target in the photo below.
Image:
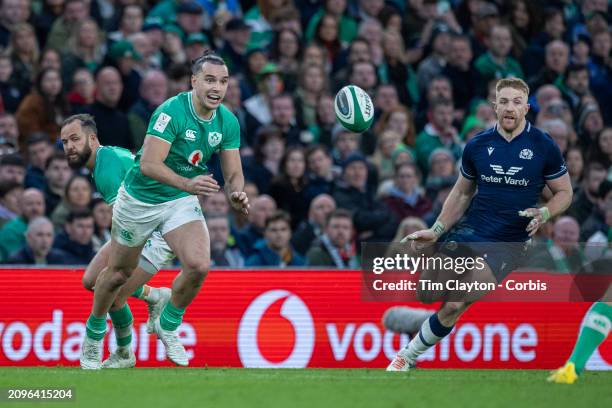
[113, 151]
[225, 114]
[175, 104]
[481, 137]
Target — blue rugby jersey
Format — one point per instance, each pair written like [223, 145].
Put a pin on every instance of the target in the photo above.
[510, 177]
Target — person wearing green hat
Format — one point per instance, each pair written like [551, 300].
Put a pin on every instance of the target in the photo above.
[172, 46]
[124, 56]
[269, 84]
[195, 45]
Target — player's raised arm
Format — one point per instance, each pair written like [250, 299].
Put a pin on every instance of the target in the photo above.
[234, 180]
[154, 153]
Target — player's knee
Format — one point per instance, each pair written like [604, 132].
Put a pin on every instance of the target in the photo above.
[197, 269]
[88, 282]
[119, 276]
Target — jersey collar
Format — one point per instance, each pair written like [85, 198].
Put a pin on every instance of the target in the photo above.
[193, 112]
[524, 132]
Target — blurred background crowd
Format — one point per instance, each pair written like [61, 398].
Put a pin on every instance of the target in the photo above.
[317, 191]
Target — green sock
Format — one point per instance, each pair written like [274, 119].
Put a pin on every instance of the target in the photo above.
[138, 292]
[122, 322]
[95, 327]
[171, 317]
[595, 329]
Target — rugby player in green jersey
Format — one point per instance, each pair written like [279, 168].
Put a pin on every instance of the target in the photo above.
[160, 192]
[108, 166]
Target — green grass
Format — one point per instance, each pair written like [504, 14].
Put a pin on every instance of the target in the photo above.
[216, 388]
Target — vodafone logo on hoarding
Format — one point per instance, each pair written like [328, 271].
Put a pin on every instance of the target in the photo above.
[291, 329]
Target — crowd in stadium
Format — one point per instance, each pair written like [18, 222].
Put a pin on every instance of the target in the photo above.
[317, 191]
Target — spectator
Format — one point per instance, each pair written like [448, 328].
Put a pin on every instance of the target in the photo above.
[442, 170]
[358, 51]
[408, 226]
[598, 244]
[321, 173]
[321, 132]
[233, 102]
[268, 152]
[12, 13]
[38, 249]
[601, 149]
[287, 188]
[563, 254]
[82, 89]
[102, 215]
[172, 49]
[32, 205]
[283, 117]
[39, 151]
[586, 196]
[131, 21]
[439, 132]
[590, 123]
[195, 45]
[236, 36]
[371, 218]
[179, 79]
[57, 173]
[77, 197]
[10, 197]
[440, 87]
[388, 142]
[347, 27]
[220, 253]
[433, 65]
[398, 120]
[76, 238]
[363, 74]
[189, 17]
[262, 207]
[574, 161]
[275, 249]
[554, 27]
[597, 219]
[44, 109]
[326, 36]
[12, 168]
[559, 131]
[395, 70]
[312, 84]
[10, 130]
[126, 59]
[61, 30]
[269, 84]
[85, 48]
[406, 198]
[113, 125]
[25, 53]
[466, 81]
[259, 18]
[556, 61]
[335, 247]
[386, 98]
[345, 143]
[10, 93]
[286, 52]
[497, 63]
[153, 91]
[308, 231]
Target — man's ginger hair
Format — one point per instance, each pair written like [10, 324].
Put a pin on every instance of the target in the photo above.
[515, 83]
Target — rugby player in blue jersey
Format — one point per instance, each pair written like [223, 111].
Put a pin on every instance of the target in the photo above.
[503, 172]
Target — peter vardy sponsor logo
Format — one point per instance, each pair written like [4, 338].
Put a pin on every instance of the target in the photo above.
[506, 176]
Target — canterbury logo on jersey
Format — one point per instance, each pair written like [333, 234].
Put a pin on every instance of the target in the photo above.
[190, 135]
[500, 170]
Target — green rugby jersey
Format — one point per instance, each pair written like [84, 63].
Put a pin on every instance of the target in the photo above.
[112, 164]
[192, 140]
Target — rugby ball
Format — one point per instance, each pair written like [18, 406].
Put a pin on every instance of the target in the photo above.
[354, 109]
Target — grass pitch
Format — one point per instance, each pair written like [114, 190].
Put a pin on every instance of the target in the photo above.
[197, 387]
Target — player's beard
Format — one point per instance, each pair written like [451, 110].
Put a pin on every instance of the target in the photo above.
[509, 129]
[82, 157]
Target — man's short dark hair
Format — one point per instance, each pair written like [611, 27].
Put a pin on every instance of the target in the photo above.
[12, 159]
[8, 186]
[78, 215]
[57, 155]
[573, 67]
[338, 213]
[38, 137]
[86, 120]
[208, 56]
[279, 215]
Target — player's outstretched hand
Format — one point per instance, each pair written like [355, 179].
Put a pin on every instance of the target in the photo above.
[240, 202]
[202, 185]
[421, 239]
[538, 217]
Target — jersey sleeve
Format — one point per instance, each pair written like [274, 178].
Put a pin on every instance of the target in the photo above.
[108, 182]
[467, 163]
[554, 165]
[163, 123]
[231, 133]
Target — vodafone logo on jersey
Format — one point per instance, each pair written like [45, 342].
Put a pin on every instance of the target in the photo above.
[276, 331]
[195, 157]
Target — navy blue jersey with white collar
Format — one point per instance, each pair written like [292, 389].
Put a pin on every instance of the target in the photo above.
[510, 177]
